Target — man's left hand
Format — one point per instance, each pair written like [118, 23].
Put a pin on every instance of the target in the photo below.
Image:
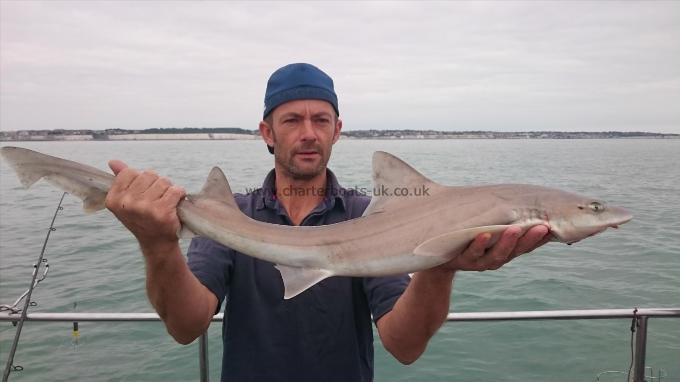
[480, 256]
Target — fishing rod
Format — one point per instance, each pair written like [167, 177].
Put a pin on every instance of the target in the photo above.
[28, 293]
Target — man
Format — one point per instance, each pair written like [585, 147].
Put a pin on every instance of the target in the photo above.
[325, 333]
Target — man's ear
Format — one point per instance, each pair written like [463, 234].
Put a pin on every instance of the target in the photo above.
[266, 133]
[338, 128]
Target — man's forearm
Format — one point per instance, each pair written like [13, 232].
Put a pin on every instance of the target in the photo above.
[183, 303]
[417, 315]
[423, 307]
[146, 204]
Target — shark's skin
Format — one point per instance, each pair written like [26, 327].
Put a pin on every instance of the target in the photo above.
[395, 235]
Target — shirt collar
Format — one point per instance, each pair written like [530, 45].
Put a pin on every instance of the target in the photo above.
[268, 199]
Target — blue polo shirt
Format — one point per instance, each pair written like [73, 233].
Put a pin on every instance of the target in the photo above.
[323, 334]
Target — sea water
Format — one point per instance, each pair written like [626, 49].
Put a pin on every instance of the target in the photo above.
[95, 265]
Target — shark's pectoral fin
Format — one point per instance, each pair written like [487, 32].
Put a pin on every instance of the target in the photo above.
[297, 280]
[453, 243]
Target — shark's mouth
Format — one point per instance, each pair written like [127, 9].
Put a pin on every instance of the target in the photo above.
[571, 240]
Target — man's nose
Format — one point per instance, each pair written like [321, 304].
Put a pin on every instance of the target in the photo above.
[308, 133]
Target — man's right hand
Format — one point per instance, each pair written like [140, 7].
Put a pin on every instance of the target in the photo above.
[147, 205]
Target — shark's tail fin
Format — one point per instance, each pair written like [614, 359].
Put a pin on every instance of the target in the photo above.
[87, 183]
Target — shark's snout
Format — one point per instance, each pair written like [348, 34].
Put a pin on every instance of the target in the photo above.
[619, 216]
[589, 223]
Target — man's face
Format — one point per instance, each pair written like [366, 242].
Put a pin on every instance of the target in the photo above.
[302, 133]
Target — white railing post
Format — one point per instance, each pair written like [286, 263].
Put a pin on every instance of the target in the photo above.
[640, 349]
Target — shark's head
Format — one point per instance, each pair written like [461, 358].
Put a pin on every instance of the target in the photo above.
[575, 217]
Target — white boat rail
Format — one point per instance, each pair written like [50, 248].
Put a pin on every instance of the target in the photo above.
[640, 315]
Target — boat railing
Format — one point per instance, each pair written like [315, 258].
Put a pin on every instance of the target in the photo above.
[639, 318]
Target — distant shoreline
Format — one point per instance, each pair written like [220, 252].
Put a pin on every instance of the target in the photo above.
[170, 138]
[232, 133]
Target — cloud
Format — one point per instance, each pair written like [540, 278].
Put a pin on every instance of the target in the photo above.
[450, 66]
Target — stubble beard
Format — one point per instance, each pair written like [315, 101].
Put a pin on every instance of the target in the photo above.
[287, 163]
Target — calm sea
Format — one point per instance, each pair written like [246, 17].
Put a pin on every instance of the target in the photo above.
[95, 265]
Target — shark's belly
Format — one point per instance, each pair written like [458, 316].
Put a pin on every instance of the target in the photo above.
[387, 266]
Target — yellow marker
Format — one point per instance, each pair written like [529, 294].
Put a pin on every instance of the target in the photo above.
[76, 333]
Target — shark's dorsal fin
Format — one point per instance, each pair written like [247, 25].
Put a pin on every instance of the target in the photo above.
[391, 175]
[217, 187]
[393, 172]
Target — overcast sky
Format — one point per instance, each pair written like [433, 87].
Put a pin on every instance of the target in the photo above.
[505, 66]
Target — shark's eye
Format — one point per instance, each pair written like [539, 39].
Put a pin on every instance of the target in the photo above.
[596, 206]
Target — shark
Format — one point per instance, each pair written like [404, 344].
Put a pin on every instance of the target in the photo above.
[396, 234]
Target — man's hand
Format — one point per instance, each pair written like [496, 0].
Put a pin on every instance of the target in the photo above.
[480, 255]
[147, 205]
[423, 306]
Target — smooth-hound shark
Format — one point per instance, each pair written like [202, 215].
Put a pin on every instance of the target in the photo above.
[396, 234]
